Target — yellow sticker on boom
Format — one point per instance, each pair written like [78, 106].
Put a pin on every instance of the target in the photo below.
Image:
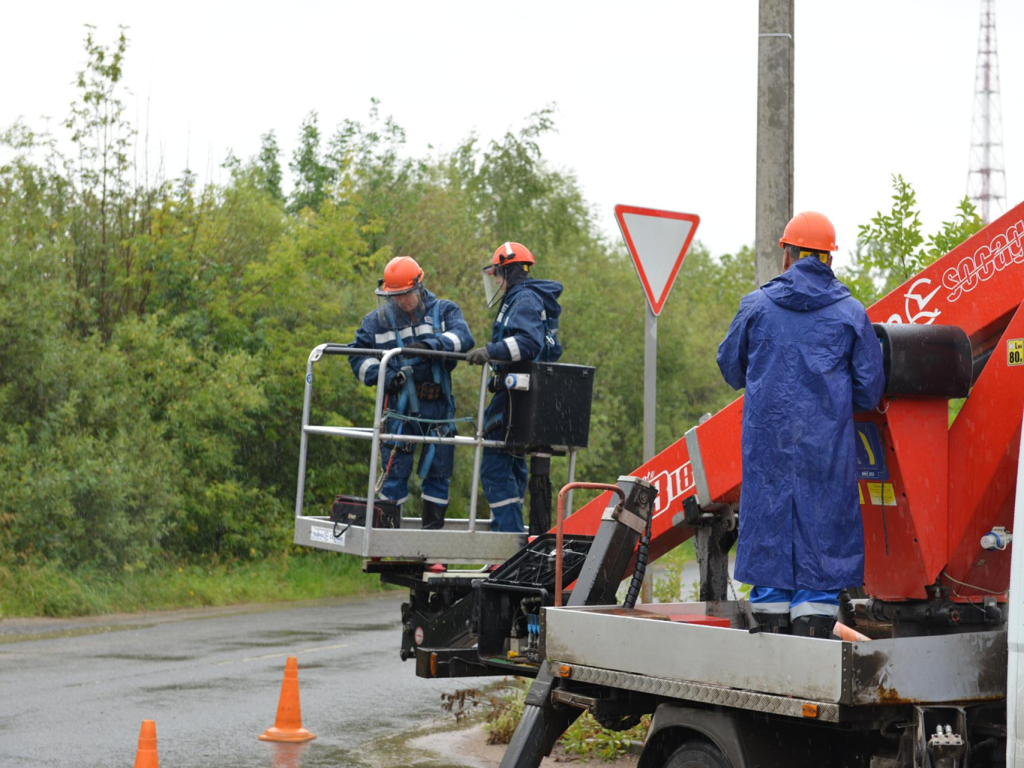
[882, 494]
[1015, 352]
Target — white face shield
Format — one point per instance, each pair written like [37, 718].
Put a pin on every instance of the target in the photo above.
[494, 284]
[401, 309]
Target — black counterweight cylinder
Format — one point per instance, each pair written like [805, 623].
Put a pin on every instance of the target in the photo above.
[925, 360]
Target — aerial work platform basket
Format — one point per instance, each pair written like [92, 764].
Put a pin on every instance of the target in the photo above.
[467, 540]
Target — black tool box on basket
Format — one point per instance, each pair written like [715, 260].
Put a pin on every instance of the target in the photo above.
[351, 510]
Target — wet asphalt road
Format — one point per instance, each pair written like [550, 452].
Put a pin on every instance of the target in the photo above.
[211, 681]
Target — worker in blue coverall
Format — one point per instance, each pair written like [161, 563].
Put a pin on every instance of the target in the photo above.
[525, 328]
[806, 352]
[411, 317]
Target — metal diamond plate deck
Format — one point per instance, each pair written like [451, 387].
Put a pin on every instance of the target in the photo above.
[705, 694]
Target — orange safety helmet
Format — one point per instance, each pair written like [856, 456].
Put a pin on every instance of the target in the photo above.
[512, 253]
[401, 275]
[810, 230]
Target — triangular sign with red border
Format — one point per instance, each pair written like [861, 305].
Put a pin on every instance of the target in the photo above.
[657, 243]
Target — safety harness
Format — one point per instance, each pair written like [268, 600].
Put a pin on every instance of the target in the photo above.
[408, 407]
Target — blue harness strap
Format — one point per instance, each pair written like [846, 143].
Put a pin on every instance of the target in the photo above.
[441, 378]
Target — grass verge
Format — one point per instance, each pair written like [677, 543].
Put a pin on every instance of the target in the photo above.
[50, 590]
[585, 738]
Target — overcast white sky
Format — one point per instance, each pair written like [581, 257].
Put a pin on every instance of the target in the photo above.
[656, 100]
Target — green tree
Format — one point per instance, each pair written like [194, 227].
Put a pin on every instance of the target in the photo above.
[891, 248]
[312, 175]
[269, 166]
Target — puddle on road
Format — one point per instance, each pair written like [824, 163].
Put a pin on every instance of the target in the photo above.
[142, 657]
[205, 686]
[294, 634]
[369, 627]
[384, 752]
[241, 644]
[78, 632]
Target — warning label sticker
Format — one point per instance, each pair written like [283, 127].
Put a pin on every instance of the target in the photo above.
[326, 536]
[870, 456]
[1015, 352]
[882, 494]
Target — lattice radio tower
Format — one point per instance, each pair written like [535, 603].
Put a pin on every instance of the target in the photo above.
[986, 179]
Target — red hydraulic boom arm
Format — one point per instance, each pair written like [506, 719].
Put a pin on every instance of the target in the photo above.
[929, 491]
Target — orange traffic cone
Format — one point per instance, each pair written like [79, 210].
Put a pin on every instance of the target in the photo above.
[146, 756]
[288, 725]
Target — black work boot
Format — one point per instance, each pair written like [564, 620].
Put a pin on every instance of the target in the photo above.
[815, 626]
[775, 623]
[433, 516]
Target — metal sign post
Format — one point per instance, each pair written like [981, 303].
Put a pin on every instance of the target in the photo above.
[657, 242]
[650, 381]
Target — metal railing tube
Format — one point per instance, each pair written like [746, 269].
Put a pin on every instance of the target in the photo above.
[306, 398]
[561, 519]
[478, 452]
[366, 433]
[571, 479]
[378, 421]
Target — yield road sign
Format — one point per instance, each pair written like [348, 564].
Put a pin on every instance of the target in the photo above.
[657, 243]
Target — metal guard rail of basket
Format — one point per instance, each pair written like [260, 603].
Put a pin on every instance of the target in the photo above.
[568, 488]
[376, 433]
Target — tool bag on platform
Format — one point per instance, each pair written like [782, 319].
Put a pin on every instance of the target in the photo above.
[351, 510]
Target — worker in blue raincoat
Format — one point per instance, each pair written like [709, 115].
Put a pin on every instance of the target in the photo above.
[419, 388]
[525, 328]
[806, 352]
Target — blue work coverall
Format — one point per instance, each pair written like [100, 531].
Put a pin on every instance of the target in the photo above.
[451, 335]
[525, 328]
[806, 352]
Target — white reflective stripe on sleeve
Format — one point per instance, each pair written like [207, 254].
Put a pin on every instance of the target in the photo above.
[435, 500]
[814, 609]
[505, 503]
[769, 607]
[364, 369]
[543, 315]
[382, 338]
[456, 344]
[513, 348]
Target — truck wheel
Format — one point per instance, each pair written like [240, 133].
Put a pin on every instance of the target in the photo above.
[697, 754]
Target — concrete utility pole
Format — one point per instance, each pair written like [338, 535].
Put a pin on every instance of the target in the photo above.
[774, 134]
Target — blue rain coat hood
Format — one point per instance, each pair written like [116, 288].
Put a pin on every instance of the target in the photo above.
[808, 357]
[547, 291]
[529, 314]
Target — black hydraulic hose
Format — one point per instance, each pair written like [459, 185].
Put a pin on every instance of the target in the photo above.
[637, 582]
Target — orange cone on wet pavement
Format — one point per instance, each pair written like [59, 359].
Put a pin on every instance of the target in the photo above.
[288, 725]
[146, 756]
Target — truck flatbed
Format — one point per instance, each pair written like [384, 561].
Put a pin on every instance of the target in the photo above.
[775, 674]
